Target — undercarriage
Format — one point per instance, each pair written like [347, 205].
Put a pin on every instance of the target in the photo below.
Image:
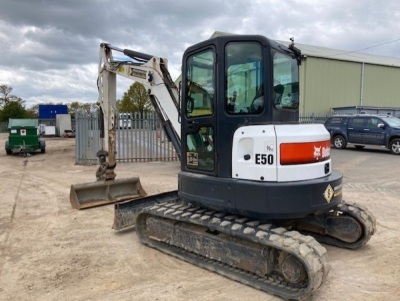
[348, 226]
[280, 262]
[282, 258]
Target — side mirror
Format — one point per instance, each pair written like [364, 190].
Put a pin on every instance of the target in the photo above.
[381, 125]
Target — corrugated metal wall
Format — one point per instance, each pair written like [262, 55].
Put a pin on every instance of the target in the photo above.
[327, 83]
[381, 86]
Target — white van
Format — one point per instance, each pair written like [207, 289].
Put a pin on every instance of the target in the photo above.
[125, 120]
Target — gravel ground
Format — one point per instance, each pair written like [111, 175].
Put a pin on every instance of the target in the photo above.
[50, 251]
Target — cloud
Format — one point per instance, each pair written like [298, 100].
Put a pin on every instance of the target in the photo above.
[50, 47]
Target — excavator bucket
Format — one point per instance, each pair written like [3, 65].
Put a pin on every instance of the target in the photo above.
[101, 193]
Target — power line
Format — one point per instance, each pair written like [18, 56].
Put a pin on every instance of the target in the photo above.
[366, 48]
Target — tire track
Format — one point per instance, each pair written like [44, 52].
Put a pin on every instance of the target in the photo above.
[18, 191]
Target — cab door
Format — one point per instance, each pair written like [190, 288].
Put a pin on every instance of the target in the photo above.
[198, 112]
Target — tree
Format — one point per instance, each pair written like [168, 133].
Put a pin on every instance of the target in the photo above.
[6, 97]
[33, 112]
[75, 106]
[135, 99]
[11, 106]
[13, 109]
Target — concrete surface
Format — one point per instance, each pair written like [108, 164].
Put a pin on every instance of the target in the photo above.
[49, 251]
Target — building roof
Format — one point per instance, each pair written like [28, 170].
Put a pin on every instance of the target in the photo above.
[342, 55]
[336, 54]
[367, 108]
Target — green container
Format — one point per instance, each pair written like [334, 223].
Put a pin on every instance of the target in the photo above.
[23, 137]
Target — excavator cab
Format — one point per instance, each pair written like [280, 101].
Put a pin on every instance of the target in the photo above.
[231, 81]
[238, 94]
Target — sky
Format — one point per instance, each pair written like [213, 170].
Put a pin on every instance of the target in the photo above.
[50, 48]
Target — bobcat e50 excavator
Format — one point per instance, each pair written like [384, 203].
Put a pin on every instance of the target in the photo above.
[256, 190]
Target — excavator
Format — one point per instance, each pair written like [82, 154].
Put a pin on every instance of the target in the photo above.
[256, 194]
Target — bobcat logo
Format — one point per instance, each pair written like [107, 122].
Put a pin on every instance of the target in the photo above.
[317, 152]
[321, 153]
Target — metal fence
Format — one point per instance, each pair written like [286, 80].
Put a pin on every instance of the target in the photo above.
[87, 137]
[313, 119]
[139, 138]
[137, 120]
[3, 126]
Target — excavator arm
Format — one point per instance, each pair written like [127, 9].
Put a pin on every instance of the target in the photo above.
[153, 73]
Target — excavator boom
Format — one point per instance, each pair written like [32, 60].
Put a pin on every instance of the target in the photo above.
[153, 73]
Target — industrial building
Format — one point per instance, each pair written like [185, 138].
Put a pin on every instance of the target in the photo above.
[331, 78]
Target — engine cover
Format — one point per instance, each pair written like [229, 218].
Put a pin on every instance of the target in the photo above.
[281, 153]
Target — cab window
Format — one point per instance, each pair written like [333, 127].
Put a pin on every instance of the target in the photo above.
[286, 82]
[200, 84]
[243, 78]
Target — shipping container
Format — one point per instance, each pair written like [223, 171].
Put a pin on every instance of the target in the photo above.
[50, 111]
[63, 123]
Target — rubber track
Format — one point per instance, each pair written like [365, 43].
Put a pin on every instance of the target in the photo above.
[305, 248]
[362, 215]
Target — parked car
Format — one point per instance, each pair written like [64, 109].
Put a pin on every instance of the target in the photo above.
[69, 134]
[362, 130]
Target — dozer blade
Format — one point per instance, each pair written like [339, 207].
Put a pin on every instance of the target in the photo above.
[125, 213]
[101, 193]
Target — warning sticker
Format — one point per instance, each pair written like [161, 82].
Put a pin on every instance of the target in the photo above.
[23, 132]
[192, 159]
[328, 194]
